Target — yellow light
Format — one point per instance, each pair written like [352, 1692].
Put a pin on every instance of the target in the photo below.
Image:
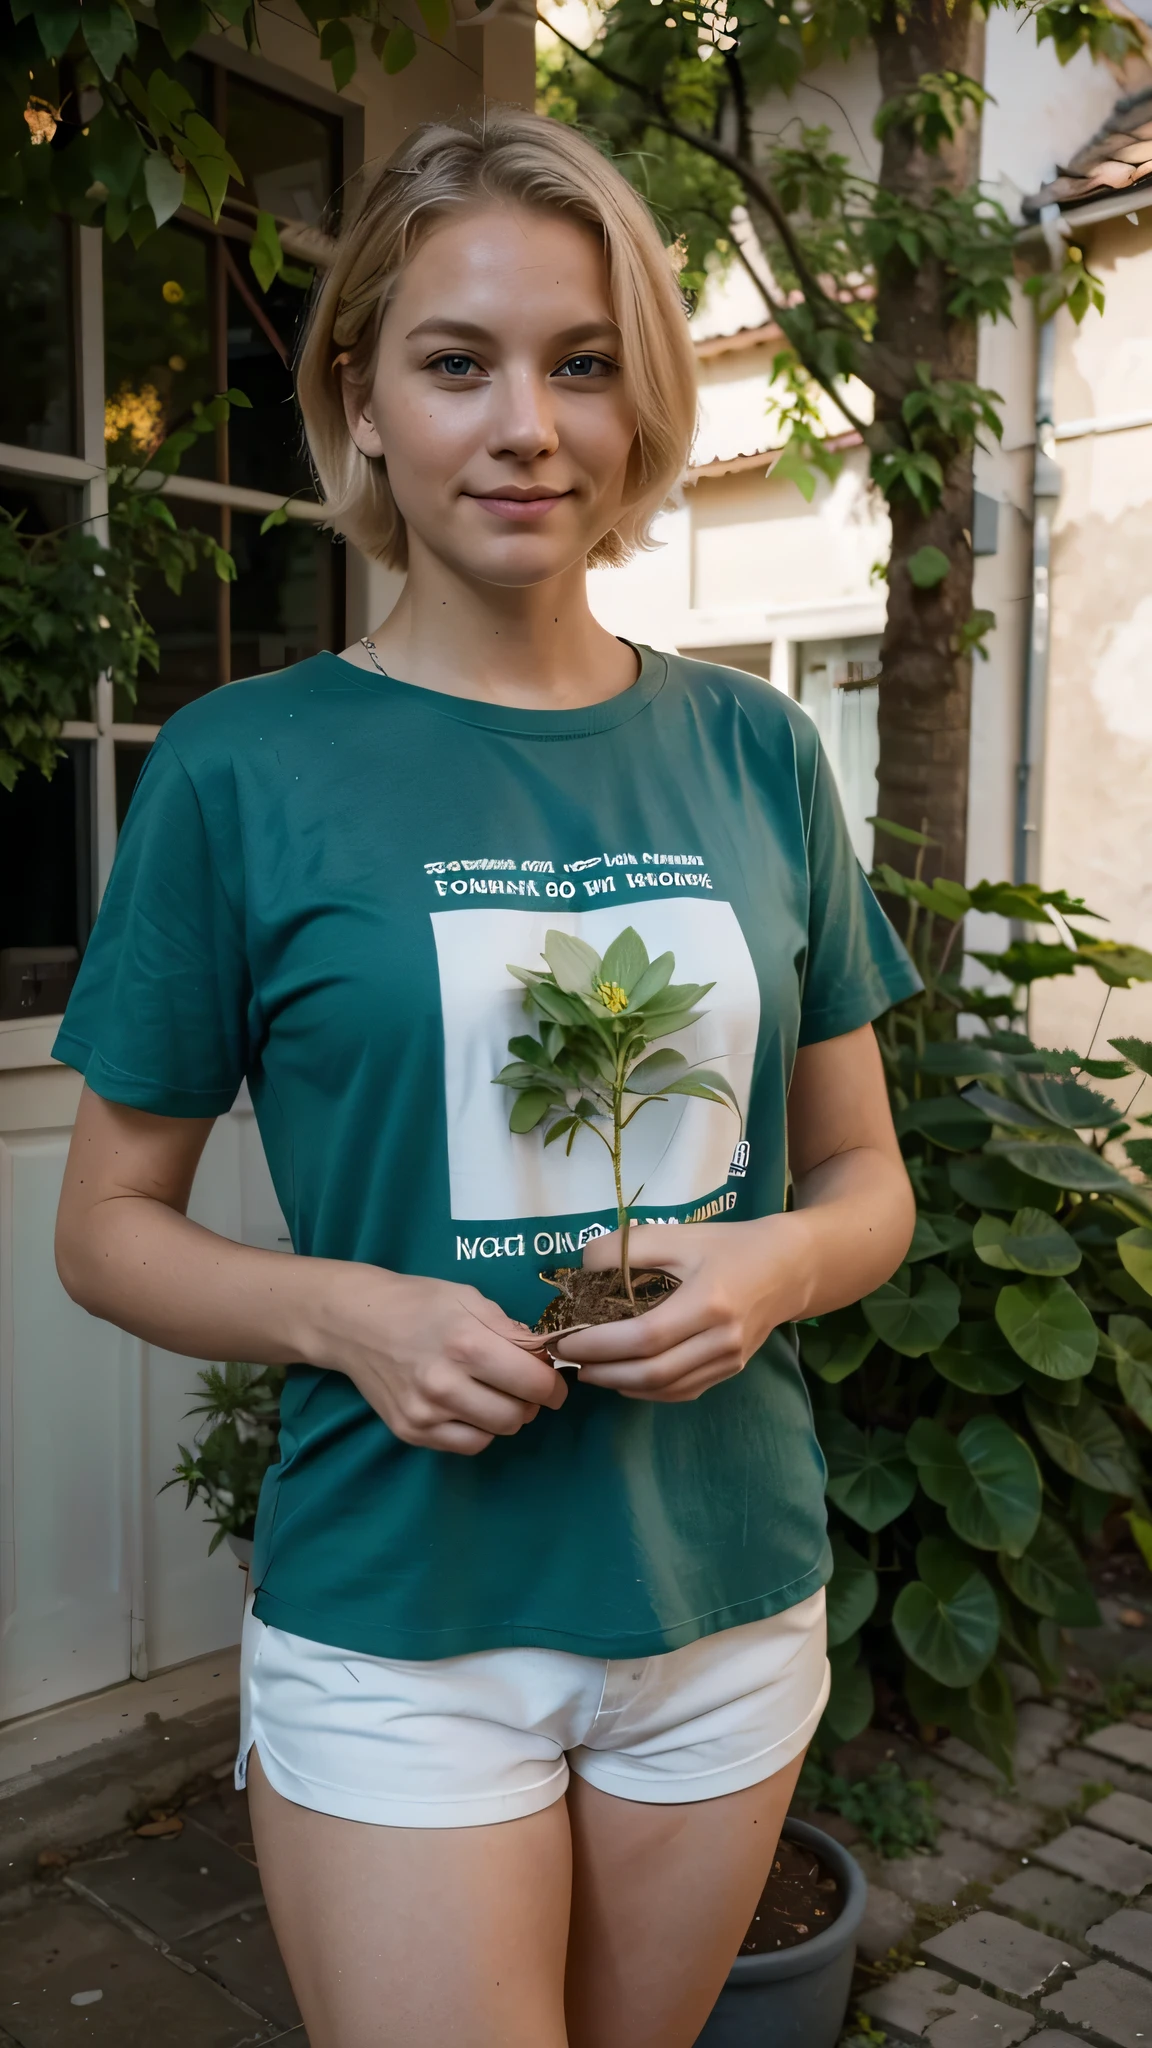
[137, 414]
[172, 292]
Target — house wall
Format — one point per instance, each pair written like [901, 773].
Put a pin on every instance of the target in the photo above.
[1096, 828]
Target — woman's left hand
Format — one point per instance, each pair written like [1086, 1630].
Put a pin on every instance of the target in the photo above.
[737, 1282]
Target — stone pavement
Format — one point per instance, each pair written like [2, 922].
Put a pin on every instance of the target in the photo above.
[1032, 1919]
[158, 1942]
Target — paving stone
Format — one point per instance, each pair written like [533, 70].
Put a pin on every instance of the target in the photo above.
[1121, 1814]
[1126, 1937]
[174, 1887]
[1124, 1741]
[1099, 1859]
[1101, 1770]
[923, 2005]
[1041, 1730]
[1111, 2003]
[991, 1949]
[1060, 1905]
[242, 1955]
[1005, 1823]
[1056, 1787]
[888, 1920]
[225, 1814]
[965, 1758]
[64, 1947]
[939, 1879]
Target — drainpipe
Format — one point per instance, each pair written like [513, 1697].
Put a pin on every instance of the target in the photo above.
[1046, 480]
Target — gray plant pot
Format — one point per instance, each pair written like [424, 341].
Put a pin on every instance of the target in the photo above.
[241, 1547]
[795, 1997]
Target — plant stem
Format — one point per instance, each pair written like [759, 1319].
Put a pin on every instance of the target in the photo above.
[622, 1217]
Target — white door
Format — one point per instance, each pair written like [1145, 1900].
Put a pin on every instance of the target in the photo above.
[101, 1575]
[837, 687]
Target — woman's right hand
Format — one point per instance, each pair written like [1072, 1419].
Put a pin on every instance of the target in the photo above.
[436, 1360]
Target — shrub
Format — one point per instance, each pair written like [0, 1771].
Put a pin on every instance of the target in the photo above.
[984, 1410]
[226, 1464]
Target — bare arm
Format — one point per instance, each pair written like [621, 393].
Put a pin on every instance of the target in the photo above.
[436, 1360]
[850, 1227]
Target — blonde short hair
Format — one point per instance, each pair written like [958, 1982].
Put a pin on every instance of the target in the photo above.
[521, 159]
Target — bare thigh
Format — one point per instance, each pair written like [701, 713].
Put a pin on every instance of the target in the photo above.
[661, 1900]
[418, 1937]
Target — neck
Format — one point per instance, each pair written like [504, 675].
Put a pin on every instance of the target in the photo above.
[536, 646]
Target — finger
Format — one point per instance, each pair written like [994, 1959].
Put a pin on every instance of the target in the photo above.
[649, 1244]
[716, 1350]
[502, 1365]
[683, 1315]
[689, 1389]
[457, 1437]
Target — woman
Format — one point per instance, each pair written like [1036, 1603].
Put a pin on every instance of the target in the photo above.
[531, 1666]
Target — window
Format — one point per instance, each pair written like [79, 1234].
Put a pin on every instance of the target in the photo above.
[838, 688]
[106, 348]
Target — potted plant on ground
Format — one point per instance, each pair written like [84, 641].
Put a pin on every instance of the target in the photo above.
[600, 1017]
[238, 1441]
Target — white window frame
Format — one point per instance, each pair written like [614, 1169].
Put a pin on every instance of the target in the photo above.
[88, 470]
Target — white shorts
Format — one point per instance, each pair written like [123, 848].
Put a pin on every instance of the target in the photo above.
[466, 1741]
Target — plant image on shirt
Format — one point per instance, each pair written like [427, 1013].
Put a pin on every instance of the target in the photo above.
[600, 1017]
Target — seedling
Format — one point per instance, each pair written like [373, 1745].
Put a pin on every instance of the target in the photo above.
[600, 1016]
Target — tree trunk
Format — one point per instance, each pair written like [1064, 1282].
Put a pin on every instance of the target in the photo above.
[925, 686]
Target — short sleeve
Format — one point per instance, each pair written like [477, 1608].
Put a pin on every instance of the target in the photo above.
[157, 1019]
[856, 967]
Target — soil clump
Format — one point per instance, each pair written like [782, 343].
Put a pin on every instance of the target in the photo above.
[800, 1899]
[586, 1299]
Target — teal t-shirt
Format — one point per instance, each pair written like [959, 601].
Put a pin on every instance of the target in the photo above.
[321, 881]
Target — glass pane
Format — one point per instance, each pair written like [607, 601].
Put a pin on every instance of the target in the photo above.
[186, 628]
[836, 690]
[287, 601]
[46, 507]
[130, 758]
[44, 858]
[38, 388]
[266, 445]
[158, 342]
[289, 154]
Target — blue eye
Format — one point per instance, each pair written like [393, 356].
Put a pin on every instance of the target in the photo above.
[455, 366]
[583, 366]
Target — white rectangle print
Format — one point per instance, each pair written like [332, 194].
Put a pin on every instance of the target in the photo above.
[677, 1150]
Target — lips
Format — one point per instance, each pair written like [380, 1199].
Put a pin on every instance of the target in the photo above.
[519, 510]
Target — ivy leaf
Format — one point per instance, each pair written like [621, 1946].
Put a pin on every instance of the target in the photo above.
[928, 567]
[976, 1358]
[1048, 1326]
[986, 1480]
[626, 962]
[989, 1181]
[869, 1476]
[836, 1345]
[948, 1620]
[851, 1700]
[935, 1235]
[110, 33]
[950, 1121]
[56, 24]
[1049, 1578]
[338, 48]
[1075, 1167]
[1085, 1442]
[265, 253]
[853, 1591]
[164, 185]
[181, 23]
[1135, 1249]
[1032, 1243]
[399, 48]
[913, 1313]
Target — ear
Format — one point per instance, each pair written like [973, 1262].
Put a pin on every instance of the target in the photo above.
[360, 422]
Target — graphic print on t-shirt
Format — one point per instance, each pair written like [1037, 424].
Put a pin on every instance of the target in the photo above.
[678, 1151]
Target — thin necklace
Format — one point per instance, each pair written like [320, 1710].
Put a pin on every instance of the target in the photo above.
[373, 657]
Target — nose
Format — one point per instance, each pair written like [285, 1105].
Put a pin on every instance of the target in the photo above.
[522, 422]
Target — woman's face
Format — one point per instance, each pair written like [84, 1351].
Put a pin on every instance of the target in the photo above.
[498, 400]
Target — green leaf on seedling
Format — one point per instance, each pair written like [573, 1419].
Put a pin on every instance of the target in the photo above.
[986, 1480]
[1135, 1249]
[1032, 1243]
[1049, 1577]
[1047, 1325]
[914, 1312]
[976, 1358]
[1085, 1442]
[836, 1345]
[948, 1620]
[869, 1476]
[853, 1591]
[626, 962]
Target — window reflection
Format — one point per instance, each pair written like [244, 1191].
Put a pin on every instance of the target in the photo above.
[38, 388]
[158, 343]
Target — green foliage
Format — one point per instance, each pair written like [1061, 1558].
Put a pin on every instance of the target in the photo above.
[70, 607]
[234, 1445]
[934, 110]
[892, 1812]
[600, 1018]
[1073, 286]
[982, 1412]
